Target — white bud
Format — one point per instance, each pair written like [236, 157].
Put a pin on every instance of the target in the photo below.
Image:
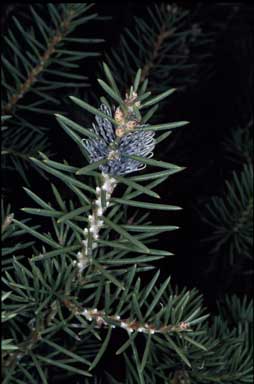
[80, 267]
[98, 202]
[86, 314]
[84, 242]
[99, 211]
[94, 229]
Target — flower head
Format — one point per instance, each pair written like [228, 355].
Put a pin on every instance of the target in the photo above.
[114, 149]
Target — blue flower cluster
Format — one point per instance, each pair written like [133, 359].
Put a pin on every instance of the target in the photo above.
[114, 149]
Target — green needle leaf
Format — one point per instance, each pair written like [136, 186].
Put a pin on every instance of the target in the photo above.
[178, 350]
[69, 132]
[66, 179]
[64, 366]
[141, 204]
[60, 166]
[66, 352]
[198, 320]
[60, 251]
[158, 98]
[156, 175]
[90, 167]
[39, 368]
[69, 126]
[163, 137]
[58, 197]
[110, 78]
[161, 127]
[34, 233]
[128, 247]
[108, 275]
[42, 212]
[37, 199]
[146, 352]
[155, 163]
[149, 228]
[137, 79]
[91, 109]
[102, 350]
[136, 260]
[157, 296]
[126, 235]
[111, 92]
[198, 345]
[149, 114]
[149, 287]
[126, 344]
[76, 127]
[74, 213]
[137, 186]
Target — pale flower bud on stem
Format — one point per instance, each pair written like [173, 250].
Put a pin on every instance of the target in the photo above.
[124, 138]
[7, 222]
[131, 325]
[95, 221]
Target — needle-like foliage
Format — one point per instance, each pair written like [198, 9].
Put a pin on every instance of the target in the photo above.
[81, 283]
[231, 218]
[103, 248]
[39, 59]
[166, 43]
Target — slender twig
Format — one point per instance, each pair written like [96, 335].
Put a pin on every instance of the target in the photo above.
[125, 124]
[181, 377]
[163, 34]
[7, 222]
[244, 216]
[102, 319]
[12, 152]
[43, 62]
[95, 221]
[11, 358]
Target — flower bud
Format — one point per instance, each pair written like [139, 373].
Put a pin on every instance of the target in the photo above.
[120, 132]
[119, 116]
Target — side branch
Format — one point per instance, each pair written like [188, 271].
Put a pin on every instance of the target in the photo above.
[102, 319]
[95, 221]
[43, 62]
[163, 34]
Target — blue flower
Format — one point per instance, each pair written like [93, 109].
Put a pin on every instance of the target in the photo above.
[108, 146]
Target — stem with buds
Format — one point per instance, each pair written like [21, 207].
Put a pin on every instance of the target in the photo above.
[95, 220]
